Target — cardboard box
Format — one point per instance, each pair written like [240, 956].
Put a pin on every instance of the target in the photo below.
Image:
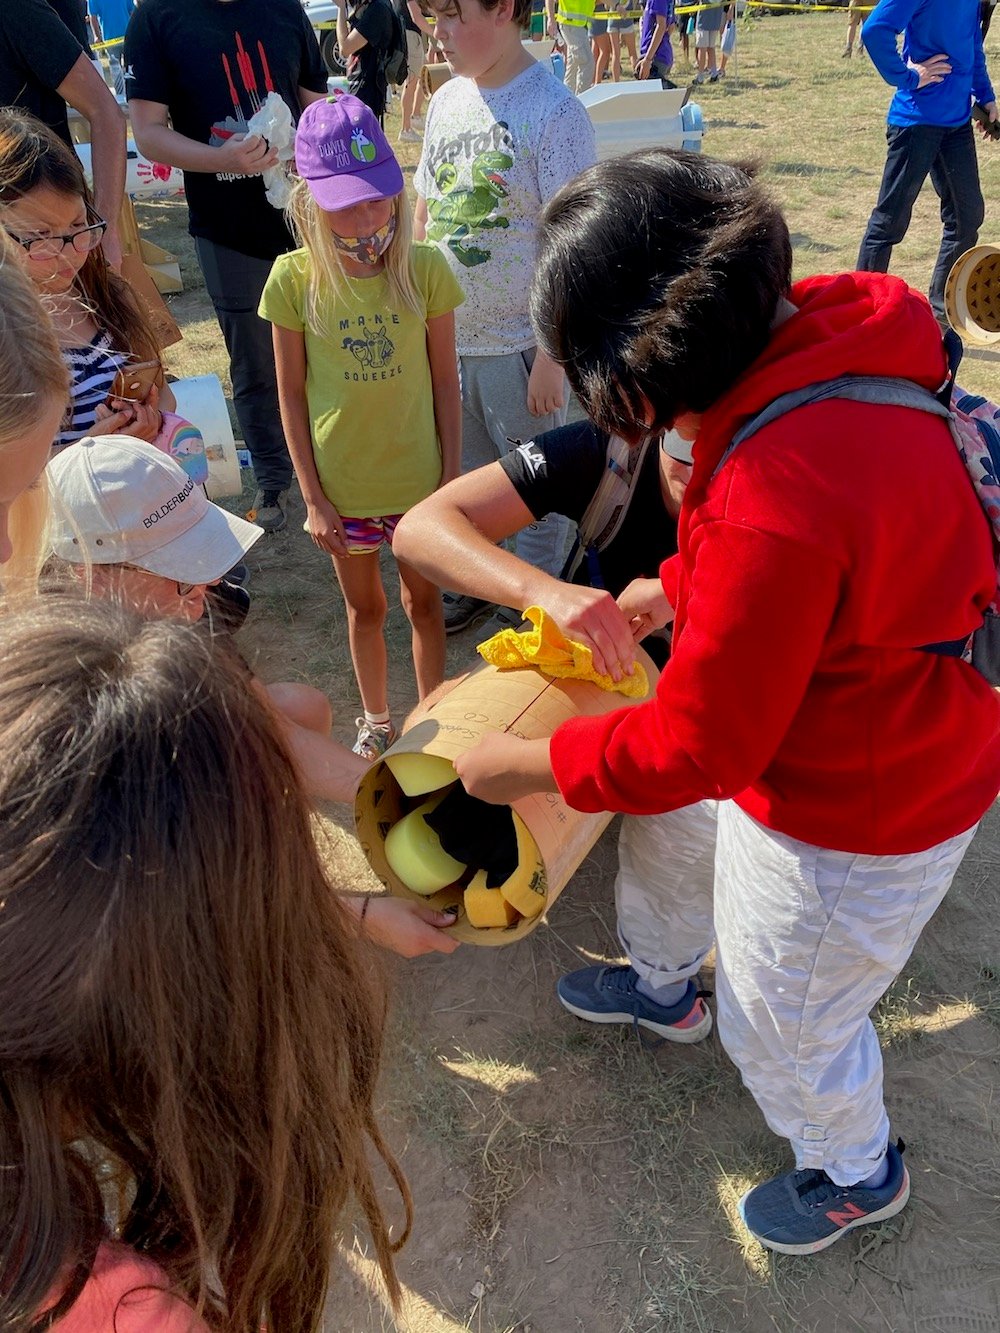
[527, 704]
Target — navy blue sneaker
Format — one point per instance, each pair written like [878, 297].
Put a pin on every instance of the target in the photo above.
[609, 995]
[802, 1212]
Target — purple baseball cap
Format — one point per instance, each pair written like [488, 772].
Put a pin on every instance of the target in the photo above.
[341, 151]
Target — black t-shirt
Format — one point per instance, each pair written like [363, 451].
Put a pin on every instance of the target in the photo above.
[403, 11]
[211, 63]
[74, 14]
[366, 76]
[37, 51]
[558, 473]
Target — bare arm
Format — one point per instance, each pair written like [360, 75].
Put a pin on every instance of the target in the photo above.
[85, 91]
[447, 392]
[243, 154]
[418, 18]
[420, 219]
[349, 40]
[450, 538]
[322, 519]
[407, 928]
[329, 770]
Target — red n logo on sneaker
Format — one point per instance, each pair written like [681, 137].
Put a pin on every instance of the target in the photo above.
[849, 1213]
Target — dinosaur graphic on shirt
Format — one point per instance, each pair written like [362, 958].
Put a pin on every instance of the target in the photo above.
[461, 214]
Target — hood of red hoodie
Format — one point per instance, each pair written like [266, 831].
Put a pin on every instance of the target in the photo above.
[847, 324]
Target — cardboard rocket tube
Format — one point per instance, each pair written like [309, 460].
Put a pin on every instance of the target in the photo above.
[527, 704]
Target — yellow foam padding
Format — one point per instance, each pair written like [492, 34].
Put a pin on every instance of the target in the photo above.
[415, 854]
[487, 907]
[418, 774]
[547, 648]
[526, 888]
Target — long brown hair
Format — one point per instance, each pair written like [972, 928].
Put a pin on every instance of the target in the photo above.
[32, 155]
[181, 994]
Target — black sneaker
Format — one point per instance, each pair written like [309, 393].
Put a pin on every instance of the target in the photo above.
[269, 510]
[460, 611]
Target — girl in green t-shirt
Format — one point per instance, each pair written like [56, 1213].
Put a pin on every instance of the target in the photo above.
[364, 342]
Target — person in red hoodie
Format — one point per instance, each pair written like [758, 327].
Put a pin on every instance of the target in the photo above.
[820, 771]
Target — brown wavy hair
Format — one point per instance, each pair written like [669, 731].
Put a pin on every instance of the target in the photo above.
[181, 994]
[32, 155]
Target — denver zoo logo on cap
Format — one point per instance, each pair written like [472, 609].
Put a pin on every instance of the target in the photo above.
[362, 147]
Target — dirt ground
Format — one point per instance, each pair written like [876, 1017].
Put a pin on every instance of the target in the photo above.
[566, 1178]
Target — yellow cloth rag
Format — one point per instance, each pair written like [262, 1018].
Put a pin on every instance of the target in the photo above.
[547, 648]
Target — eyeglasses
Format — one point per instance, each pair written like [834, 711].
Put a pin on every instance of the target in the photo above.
[182, 588]
[83, 240]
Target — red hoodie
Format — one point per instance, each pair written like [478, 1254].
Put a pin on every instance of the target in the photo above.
[829, 546]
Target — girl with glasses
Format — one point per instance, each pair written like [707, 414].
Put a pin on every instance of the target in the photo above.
[46, 209]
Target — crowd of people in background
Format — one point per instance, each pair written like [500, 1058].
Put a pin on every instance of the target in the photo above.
[191, 1016]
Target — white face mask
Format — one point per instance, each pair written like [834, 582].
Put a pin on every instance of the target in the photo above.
[367, 249]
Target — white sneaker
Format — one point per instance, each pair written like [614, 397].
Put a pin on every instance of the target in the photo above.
[417, 122]
[701, 77]
[410, 136]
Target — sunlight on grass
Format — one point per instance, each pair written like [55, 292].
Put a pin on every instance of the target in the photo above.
[489, 1073]
[416, 1315]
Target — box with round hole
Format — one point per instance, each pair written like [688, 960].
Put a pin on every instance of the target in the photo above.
[527, 704]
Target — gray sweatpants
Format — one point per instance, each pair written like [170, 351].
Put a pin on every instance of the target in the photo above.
[494, 412]
[807, 941]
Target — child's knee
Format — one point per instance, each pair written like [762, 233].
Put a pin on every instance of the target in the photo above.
[367, 615]
[422, 608]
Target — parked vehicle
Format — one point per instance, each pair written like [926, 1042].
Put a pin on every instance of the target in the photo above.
[325, 12]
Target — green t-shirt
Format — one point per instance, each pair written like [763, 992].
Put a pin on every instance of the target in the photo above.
[368, 385]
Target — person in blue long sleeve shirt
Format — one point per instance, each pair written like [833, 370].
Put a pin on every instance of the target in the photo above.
[941, 70]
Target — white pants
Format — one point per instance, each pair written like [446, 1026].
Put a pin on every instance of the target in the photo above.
[579, 58]
[807, 942]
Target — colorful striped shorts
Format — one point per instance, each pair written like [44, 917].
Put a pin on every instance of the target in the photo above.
[368, 534]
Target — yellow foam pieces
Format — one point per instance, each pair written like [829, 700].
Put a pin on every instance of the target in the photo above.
[415, 854]
[418, 774]
[487, 907]
[526, 889]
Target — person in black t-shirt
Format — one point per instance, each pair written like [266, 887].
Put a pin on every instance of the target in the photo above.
[450, 536]
[364, 35]
[196, 71]
[42, 68]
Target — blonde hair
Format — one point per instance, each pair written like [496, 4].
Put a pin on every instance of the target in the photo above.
[327, 276]
[33, 377]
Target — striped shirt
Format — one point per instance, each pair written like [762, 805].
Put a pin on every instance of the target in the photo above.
[92, 369]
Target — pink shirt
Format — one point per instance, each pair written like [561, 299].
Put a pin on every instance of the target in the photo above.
[126, 1294]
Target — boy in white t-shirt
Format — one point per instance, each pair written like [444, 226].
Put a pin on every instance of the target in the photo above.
[500, 139]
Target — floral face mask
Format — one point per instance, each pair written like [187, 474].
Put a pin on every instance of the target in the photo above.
[367, 249]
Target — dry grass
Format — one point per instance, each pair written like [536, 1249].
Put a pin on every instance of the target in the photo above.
[569, 1178]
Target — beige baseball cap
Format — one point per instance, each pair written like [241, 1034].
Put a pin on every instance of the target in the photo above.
[118, 500]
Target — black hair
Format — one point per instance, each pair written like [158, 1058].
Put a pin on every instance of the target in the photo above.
[658, 277]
